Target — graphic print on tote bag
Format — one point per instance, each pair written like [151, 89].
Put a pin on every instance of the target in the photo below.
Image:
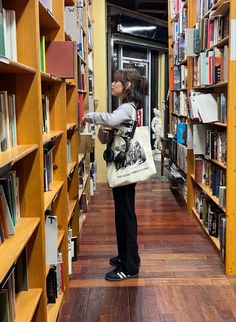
[135, 155]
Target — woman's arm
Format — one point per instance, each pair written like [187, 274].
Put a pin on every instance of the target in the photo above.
[121, 114]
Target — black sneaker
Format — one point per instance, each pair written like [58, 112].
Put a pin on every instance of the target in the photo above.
[115, 261]
[118, 275]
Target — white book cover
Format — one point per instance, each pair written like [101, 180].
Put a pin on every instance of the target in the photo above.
[207, 107]
[189, 136]
[189, 40]
[51, 240]
[199, 139]
[4, 107]
[70, 22]
[12, 31]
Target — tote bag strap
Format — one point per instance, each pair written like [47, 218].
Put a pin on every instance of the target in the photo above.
[135, 118]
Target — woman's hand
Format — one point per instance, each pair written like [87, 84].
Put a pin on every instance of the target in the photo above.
[83, 122]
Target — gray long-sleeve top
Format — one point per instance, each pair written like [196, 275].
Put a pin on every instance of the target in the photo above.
[125, 112]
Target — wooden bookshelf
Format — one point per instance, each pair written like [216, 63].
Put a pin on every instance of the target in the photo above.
[224, 85]
[13, 246]
[25, 77]
[53, 309]
[26, 304]
[214, 240]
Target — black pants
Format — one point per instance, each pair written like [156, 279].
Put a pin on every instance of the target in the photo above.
[126, 228]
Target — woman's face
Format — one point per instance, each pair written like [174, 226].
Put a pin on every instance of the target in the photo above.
[117, 88]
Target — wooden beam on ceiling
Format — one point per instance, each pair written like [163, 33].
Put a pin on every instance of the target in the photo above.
[136, 5]
[153, 1]
[151, 11]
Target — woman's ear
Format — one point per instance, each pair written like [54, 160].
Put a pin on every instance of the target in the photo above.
[127, 85]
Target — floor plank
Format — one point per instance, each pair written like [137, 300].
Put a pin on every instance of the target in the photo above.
[181, 276]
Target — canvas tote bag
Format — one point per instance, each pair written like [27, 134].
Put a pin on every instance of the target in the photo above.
[138, 164]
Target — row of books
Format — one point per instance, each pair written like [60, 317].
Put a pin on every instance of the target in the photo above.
[9, 204]
[46, 113]
[179, 50]
[216, 145]
[8, 131]
[210, 31]
[207, 108]
[175, 7]
[8, 46]
[210, 67]
[179, 76]
[81, 74]
[48, 164]
[181, 159]
[211, 175]
[15, 281]
[212, 218]
[55, 280]
[178, 28]
[180, 103]
[204, 6]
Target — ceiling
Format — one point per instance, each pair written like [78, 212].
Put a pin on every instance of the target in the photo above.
[154, 8]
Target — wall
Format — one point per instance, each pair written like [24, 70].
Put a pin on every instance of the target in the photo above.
[100, 77]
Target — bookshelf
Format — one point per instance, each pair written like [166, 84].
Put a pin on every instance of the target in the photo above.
[201, 37]
[40, 152]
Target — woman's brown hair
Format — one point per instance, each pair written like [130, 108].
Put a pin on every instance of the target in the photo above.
[138, 85]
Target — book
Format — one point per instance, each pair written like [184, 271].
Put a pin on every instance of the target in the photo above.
[51, 233]
[60, 58]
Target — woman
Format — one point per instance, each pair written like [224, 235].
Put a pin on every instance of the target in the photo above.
[131, 88]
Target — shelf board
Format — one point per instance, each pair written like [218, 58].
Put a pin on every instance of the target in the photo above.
[175, 18]
[221, 10]
[53, 309]
[46, 77]
[80, 157]
[72, 205]
[217, 85]
[82, 91]
[13, 246]
[67, 36]
[55, 187]
[219, 124]
[60, 235]
[46, 19]
[208, 191]
[70, 83]
[15, 154]
[47, 137]
[69, 2]
[11, 67]
[179, 90]
[217, 162]
[213, 239]
[179, 115]
[70, 167]
[26, 304]
[221, 43]
[70, 126]
[217, 5]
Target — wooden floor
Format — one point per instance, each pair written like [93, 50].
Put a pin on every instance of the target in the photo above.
[181, 276]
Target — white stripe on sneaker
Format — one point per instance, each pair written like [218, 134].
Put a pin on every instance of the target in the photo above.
[121, 275]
